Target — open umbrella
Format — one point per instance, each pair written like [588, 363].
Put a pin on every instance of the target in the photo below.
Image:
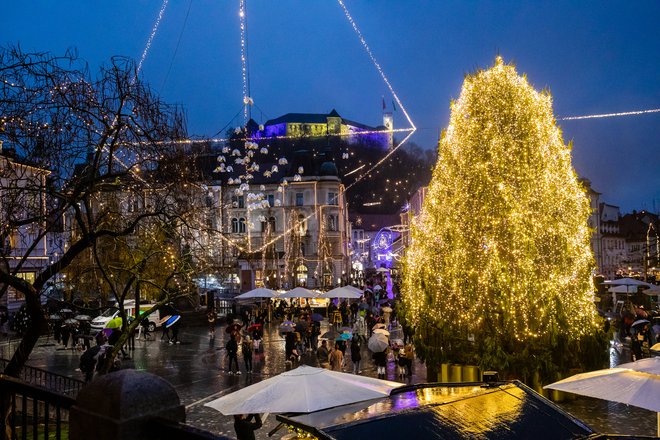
[172, 320]
[382, 270]
[635, 383]
[379, 325]
[303, 390]
[70, 322]
[233, 327]
[332, 334]
[114, 323]
[346, 330]
[254, 327]
[82, 318]
[287, 326]
[66, 311]
[317, 317]
[378, 342]
[382, 331]
[55, 317]
[640, 323]
[377, 287]
[344, 337]
[387, 309]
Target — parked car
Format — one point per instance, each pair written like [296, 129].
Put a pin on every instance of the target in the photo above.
[102, 320]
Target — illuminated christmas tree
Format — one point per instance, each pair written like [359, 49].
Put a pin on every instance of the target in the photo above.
[499, 271]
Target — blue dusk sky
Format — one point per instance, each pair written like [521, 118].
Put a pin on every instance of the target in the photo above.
[594, 56]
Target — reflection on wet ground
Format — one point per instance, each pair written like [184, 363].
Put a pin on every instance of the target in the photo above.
[197, 369]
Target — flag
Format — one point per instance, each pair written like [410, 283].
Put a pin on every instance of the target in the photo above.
[393, 106]
[383, 98]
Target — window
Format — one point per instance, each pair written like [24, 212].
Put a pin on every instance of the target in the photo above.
[241, 202]
[300, 201]
[241, 225]
[234, 225]
[332, 198]
[271, 200]
[301, 275]
[302, 225]
[273, 224]
[332, 223]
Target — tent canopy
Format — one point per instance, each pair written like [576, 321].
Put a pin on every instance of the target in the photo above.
[260, 292]
[302, 390]
[349, 292]
[298, 292]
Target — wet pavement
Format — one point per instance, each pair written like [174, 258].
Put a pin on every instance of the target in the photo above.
[197, 369]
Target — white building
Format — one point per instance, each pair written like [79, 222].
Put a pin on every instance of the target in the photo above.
[288, 233]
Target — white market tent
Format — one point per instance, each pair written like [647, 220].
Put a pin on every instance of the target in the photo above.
[303, 390]
[260, 292]
[349, 292]
[298, 292]
[635, 383]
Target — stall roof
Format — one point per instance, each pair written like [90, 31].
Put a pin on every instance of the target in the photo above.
[447, 411]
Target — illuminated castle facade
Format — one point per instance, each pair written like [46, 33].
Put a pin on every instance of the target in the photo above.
[331, 124]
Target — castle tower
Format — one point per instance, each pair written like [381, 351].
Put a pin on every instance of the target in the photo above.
[388, 122]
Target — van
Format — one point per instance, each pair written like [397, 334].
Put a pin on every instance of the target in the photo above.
[102, 320]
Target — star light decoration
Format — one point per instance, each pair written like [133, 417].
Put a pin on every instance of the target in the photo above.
[501, 248]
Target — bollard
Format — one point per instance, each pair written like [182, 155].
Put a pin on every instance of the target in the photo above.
[444, 373]
[470, 373]
[455, 373]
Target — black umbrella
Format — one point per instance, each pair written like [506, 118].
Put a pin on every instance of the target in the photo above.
[332, 334]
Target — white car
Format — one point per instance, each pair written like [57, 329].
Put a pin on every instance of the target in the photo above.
[102, 320]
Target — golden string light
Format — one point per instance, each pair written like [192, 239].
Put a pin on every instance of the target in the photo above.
[610, 115]
[145, 52]
[501, 248]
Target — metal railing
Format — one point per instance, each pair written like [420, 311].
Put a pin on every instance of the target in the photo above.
[29, 411]
[64, 385]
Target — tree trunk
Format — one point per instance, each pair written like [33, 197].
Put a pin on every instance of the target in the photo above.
[30, 338]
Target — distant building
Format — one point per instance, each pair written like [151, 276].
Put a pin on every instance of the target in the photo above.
[27, 249]
[613, 244]
[320, 124]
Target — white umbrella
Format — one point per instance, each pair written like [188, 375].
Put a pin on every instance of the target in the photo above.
[626, 282]
[303, 390]
[299, 292]
[635, 383]
[260, 292]
[382, 269]
[378, 342]
[342, 292]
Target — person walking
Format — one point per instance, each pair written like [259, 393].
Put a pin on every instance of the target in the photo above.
[246, 348]
[211, 318]
[356, 356]
[336, 358]
[409, 355]
[245, 427]
[322, 354]
[380, 359]
[232, 354]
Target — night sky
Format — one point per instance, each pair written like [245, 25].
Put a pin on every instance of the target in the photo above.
[595, 57]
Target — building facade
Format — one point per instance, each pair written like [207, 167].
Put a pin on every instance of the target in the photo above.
[282, 235]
